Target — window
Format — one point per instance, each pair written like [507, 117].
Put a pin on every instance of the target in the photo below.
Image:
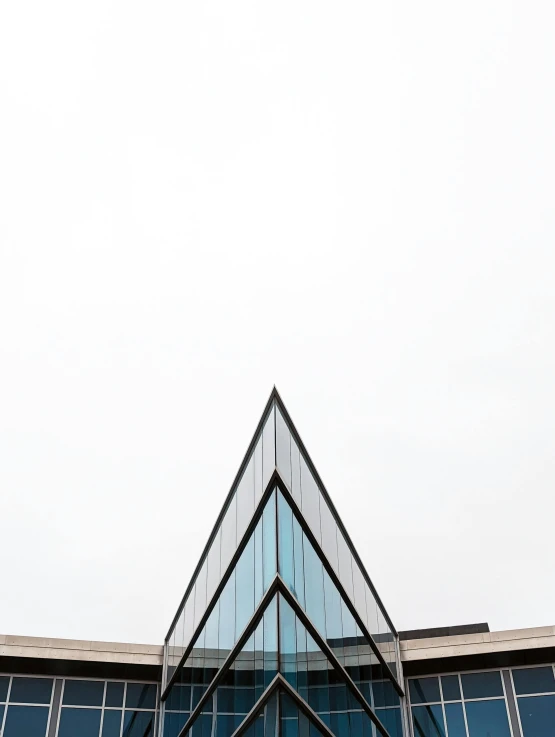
[92, 708]
[460, 705]
[26, 705]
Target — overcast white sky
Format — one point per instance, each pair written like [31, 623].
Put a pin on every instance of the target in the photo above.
[354, 201]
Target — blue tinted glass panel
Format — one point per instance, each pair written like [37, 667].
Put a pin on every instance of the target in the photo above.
[140, 696]
[31, 690]
[487, 718]
[537, 715]
[174, 723]
[269, 541]
[114, 694]
[26, 721]
[225, 724]
[428, 721]
[253, 573]
[307, 668]
[314, 587]
[534, 680]
[83, 693]
[179, 698]
[334, 622]
[244, 588]
[482, 685]
[294, 723]
[391, 720]
[4, 683]
[385, 694]
[111, 724]
[285, 542]
[79, 722]
[424, 690]
[298, 588]
[451, 688]
[138, 724]
[202, 727]
[455, 720]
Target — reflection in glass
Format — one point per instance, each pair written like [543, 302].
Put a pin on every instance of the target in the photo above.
[138, 724]
[455, 720]
[322, 601]
[293, 722]
[111, 723]
[254, 572]
[428, 721]
[309, 672]
[140, 696]
[244, 682]
[424, 690]
[392, 721]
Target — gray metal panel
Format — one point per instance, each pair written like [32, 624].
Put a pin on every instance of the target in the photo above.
[511, 704]
[55, 710]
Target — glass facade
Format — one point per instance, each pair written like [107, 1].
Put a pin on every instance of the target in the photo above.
[314, 504]
[280, 631]
[479, 704]
[74, 707]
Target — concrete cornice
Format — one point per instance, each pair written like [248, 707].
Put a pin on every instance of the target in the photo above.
[477, 644]
[80, 650]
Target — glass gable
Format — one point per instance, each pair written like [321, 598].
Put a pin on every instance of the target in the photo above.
[276, 579]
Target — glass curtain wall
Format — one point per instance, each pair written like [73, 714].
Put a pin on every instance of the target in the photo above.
[459, 705]
[230, 613]
[76, 707]
[295, 471]
[535, 697]
[240, 506]
[476, 704]
[280, 642]
[214, 633]
[306, 577]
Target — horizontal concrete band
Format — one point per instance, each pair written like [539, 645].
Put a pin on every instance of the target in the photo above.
[477, 644]
[80, 650]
